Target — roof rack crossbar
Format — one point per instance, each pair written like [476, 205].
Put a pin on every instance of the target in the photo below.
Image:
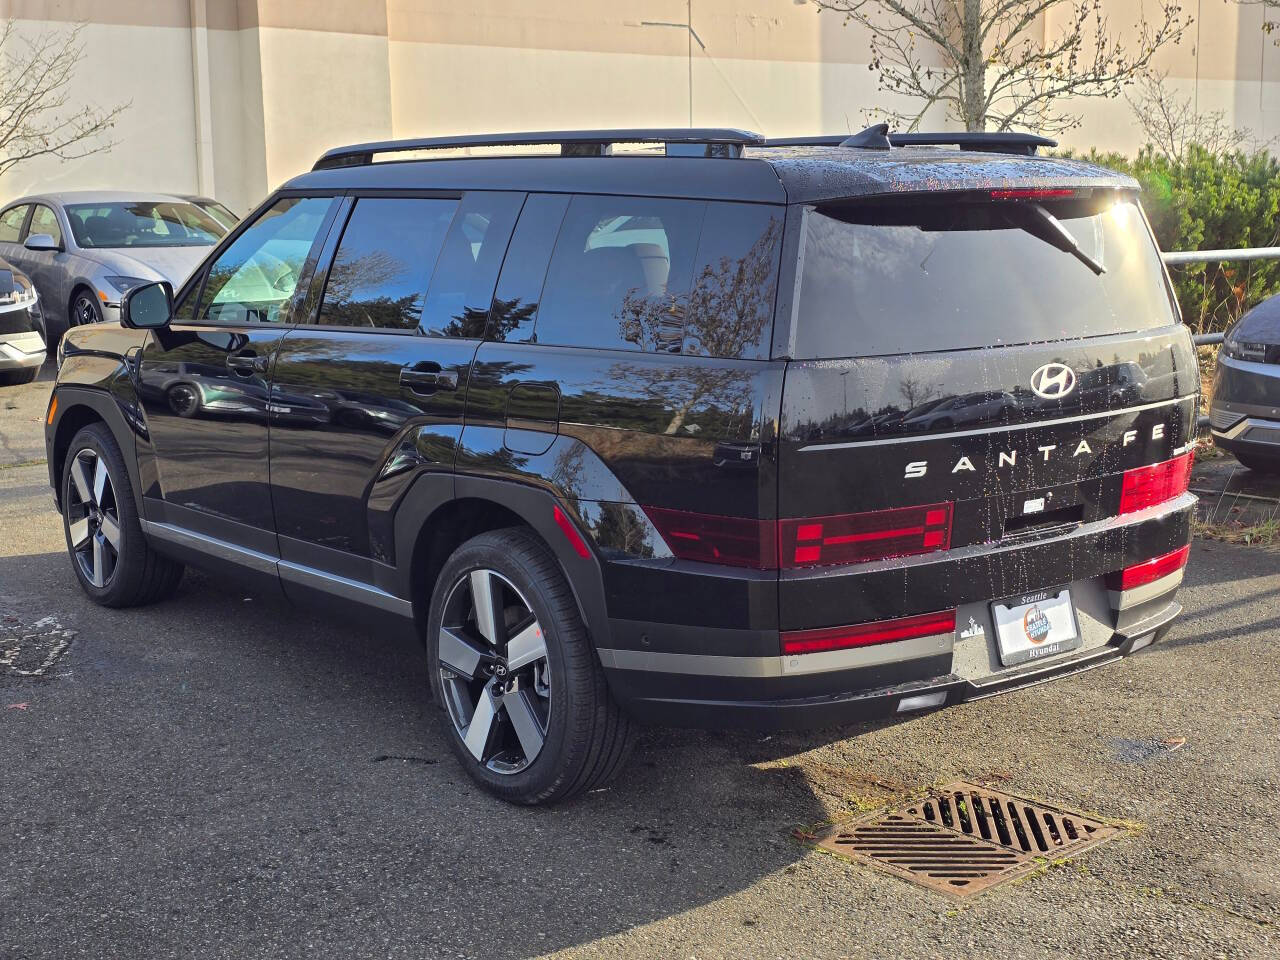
[716, 141]
[995, 142]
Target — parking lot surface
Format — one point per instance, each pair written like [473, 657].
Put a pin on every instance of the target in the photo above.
[223, 775]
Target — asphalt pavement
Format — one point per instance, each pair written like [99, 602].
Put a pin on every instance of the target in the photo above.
[223, 775]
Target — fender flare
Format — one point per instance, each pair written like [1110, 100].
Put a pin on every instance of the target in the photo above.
[535, 506]
[108, 410]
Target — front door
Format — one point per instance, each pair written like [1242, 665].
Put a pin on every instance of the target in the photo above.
[403, 309]
[48, 268]
[204, 382]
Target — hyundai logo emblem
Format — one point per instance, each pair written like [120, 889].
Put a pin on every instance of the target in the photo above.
[1053, 381]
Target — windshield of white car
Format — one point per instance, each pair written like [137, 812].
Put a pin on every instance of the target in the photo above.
[147, 223]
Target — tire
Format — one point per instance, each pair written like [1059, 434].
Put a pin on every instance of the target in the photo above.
[16, 378]
[555, 701]
[84, 308]
[183, 399]
[1259, 463]
[110, 555]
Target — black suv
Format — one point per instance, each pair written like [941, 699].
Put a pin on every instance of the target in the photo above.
[711, 430]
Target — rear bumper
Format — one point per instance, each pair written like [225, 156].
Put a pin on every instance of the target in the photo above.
[658, 697]
[734, 676]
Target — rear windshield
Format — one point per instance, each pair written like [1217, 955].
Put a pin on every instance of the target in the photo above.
[143, 224]
[889, 278]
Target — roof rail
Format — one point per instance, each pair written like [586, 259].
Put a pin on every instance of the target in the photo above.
[1001, 142]
[721, 142]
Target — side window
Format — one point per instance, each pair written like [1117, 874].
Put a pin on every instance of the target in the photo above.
[11, 223]
[462, 285]
[44, 220]
[620, 273]
[735, 281]
[515, 302]
[380, 270]
[254, 279]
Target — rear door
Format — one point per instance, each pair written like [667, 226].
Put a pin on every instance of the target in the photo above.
[951, 363]
[204, 381]
[370, 392]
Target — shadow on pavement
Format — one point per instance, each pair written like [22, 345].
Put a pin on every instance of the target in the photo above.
[226, 774]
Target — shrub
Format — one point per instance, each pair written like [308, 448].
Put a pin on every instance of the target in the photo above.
[1208, 202]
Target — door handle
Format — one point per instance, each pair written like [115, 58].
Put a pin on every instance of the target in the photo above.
[247, 363]
[428, 381]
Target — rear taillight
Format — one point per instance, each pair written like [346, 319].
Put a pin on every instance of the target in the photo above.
[868, 634]
[804, 541]
[859, 537]
[736, 541]
[1149, 571]
[1147, 486]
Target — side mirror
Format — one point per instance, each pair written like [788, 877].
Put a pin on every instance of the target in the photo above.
[147, 306]
[41, 241]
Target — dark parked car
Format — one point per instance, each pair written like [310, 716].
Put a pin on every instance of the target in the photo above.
[22, 348]
[648, 436]
[1245, 410]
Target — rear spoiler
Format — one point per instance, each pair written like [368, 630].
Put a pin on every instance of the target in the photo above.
[878, 137]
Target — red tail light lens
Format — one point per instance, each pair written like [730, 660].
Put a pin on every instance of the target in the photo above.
[1149, 571]
[868, 634]
[1146, 486]
[859, 537]
[736, 541]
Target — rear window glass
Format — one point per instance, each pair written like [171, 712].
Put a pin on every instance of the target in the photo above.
[893, 278]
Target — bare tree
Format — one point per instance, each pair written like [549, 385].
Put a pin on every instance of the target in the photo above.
[38, 117]
[992, 63]
[1171, 123]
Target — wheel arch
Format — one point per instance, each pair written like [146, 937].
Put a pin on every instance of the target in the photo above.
[440, 512]
[76, 285]
[77, 408]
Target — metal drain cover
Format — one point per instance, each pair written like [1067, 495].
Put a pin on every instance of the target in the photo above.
[963, 839]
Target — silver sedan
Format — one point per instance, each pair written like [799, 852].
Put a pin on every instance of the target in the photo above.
[84, 249]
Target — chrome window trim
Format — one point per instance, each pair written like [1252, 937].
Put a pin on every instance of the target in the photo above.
[980, 431]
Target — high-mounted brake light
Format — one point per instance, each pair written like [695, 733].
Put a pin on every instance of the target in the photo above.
[1149, 571]
[868, 634]
[805, 541]
[860, 537]
[1147, 486]
[1032, 194]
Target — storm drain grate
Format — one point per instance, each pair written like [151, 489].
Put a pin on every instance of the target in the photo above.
[963, 839]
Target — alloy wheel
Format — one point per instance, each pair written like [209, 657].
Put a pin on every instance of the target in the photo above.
[84, 311]
[494, 671]
[93, 518]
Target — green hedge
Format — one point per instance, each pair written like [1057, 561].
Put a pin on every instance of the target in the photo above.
[1207, 202]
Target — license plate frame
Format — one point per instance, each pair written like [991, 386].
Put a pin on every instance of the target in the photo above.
[1018, 636]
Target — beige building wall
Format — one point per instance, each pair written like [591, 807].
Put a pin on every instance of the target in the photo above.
[233, 97]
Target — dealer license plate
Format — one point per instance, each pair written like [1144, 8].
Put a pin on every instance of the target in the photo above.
[1035, 626]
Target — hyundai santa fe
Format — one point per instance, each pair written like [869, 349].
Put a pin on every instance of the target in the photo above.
[670, 426]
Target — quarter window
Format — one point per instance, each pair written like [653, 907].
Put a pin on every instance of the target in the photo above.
[620, 273]
[11, 223]
[379, 273]
[44, 220]
[254, 279]
[663, 276]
